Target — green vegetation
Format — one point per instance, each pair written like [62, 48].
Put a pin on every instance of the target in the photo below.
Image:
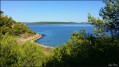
[14, 54]
[8, 25]
[82, 49]
[85, 49]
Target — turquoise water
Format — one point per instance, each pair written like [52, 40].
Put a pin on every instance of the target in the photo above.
[57, 34]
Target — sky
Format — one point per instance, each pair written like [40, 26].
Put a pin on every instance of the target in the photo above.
[60, 11]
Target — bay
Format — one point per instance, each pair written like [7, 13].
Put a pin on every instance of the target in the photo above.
[57, 34]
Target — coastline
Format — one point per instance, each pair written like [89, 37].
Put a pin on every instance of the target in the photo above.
[47, 49]
[39, 37]
[33, 38]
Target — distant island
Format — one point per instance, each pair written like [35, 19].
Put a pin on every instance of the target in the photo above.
[55, 23]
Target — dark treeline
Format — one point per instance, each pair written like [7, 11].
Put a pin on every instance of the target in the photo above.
[54, 23]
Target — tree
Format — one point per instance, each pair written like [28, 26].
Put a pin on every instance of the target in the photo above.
[8, 25]
[110, 17]
[34, 55]
[11, 53]
[95, 50]
[14, 54]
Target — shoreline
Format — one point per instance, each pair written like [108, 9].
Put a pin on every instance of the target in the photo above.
[39, 36]
[33, 38]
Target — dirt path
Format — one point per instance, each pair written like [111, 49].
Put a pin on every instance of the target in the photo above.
[34, 37]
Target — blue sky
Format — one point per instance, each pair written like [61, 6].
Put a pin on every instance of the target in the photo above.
[35, 11]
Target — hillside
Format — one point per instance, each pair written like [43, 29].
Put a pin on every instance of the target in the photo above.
[8, 25]
[18, 46]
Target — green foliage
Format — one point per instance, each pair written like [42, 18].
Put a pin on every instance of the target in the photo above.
[82, 49]
[5, 21]
[98, 49]
[85, 51]
[20, 29]
[110, 16]
[10, 53]
[8, 25]
[13, 54]
[34, 54]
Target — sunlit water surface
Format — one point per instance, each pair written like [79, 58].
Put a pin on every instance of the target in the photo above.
[57, 34]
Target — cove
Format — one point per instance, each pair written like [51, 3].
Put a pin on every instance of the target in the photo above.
[57, 34]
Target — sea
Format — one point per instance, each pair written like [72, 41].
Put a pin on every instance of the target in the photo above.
[58, 34]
